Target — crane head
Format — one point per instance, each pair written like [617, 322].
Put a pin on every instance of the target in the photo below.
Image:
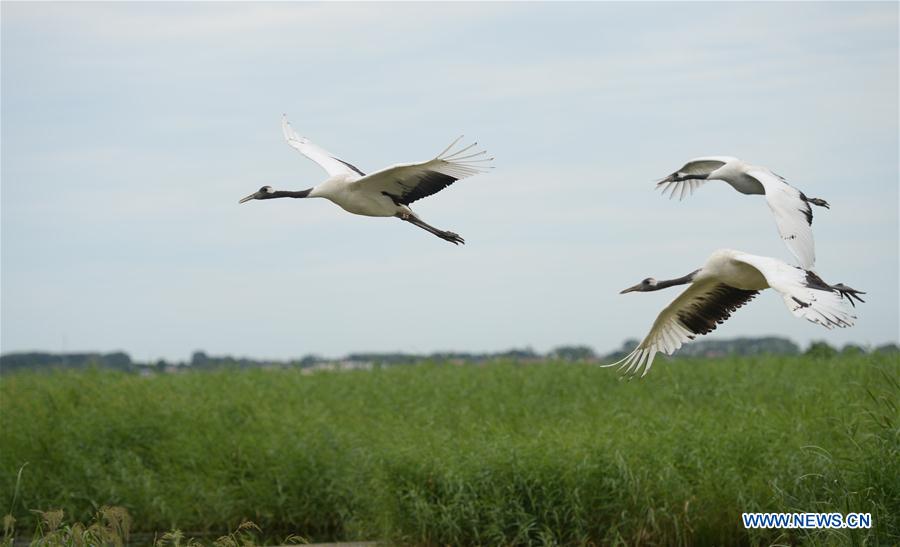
[262, 193]
[648, 284]
[701, 169]
[680, 176]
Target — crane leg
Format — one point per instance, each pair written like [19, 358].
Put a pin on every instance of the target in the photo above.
[443, 234]
[848, 292]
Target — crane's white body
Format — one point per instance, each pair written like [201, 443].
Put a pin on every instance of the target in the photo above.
[340, 190]
[736, 173]
[726, 266]
[790, 207]
[726, 281]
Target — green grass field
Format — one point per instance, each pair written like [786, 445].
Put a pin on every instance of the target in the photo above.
[439, 454]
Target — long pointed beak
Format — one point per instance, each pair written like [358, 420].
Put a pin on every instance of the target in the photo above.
[631, 289]
[248, 198]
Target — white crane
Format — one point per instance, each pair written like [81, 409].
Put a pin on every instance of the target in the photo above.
[728, 280]
[791, 207]
[385, 193]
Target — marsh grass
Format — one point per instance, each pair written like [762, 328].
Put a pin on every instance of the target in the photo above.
[110, 528]
[439, 454]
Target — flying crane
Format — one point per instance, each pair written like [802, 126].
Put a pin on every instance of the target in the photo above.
[791, 207]
[384, 193]
[728, 280]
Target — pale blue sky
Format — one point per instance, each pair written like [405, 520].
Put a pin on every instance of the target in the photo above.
[129, 132]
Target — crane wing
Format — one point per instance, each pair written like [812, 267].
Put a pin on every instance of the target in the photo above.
[326, 160]
[696, 311]
[408, 182]
[793, 215]
[680, 183]
[805, 293]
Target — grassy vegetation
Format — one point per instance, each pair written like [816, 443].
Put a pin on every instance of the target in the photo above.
[440, 454]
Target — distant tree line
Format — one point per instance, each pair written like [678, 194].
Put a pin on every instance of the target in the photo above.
[119, 360]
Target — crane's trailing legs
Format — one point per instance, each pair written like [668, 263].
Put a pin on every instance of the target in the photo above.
[443, 234]
[819, 202]
[848, 293]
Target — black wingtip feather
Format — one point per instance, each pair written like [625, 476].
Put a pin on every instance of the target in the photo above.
[430, 183]
[714, 308]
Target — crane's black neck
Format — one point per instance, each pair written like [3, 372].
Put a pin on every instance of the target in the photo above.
[665, 283]
[286, 194]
